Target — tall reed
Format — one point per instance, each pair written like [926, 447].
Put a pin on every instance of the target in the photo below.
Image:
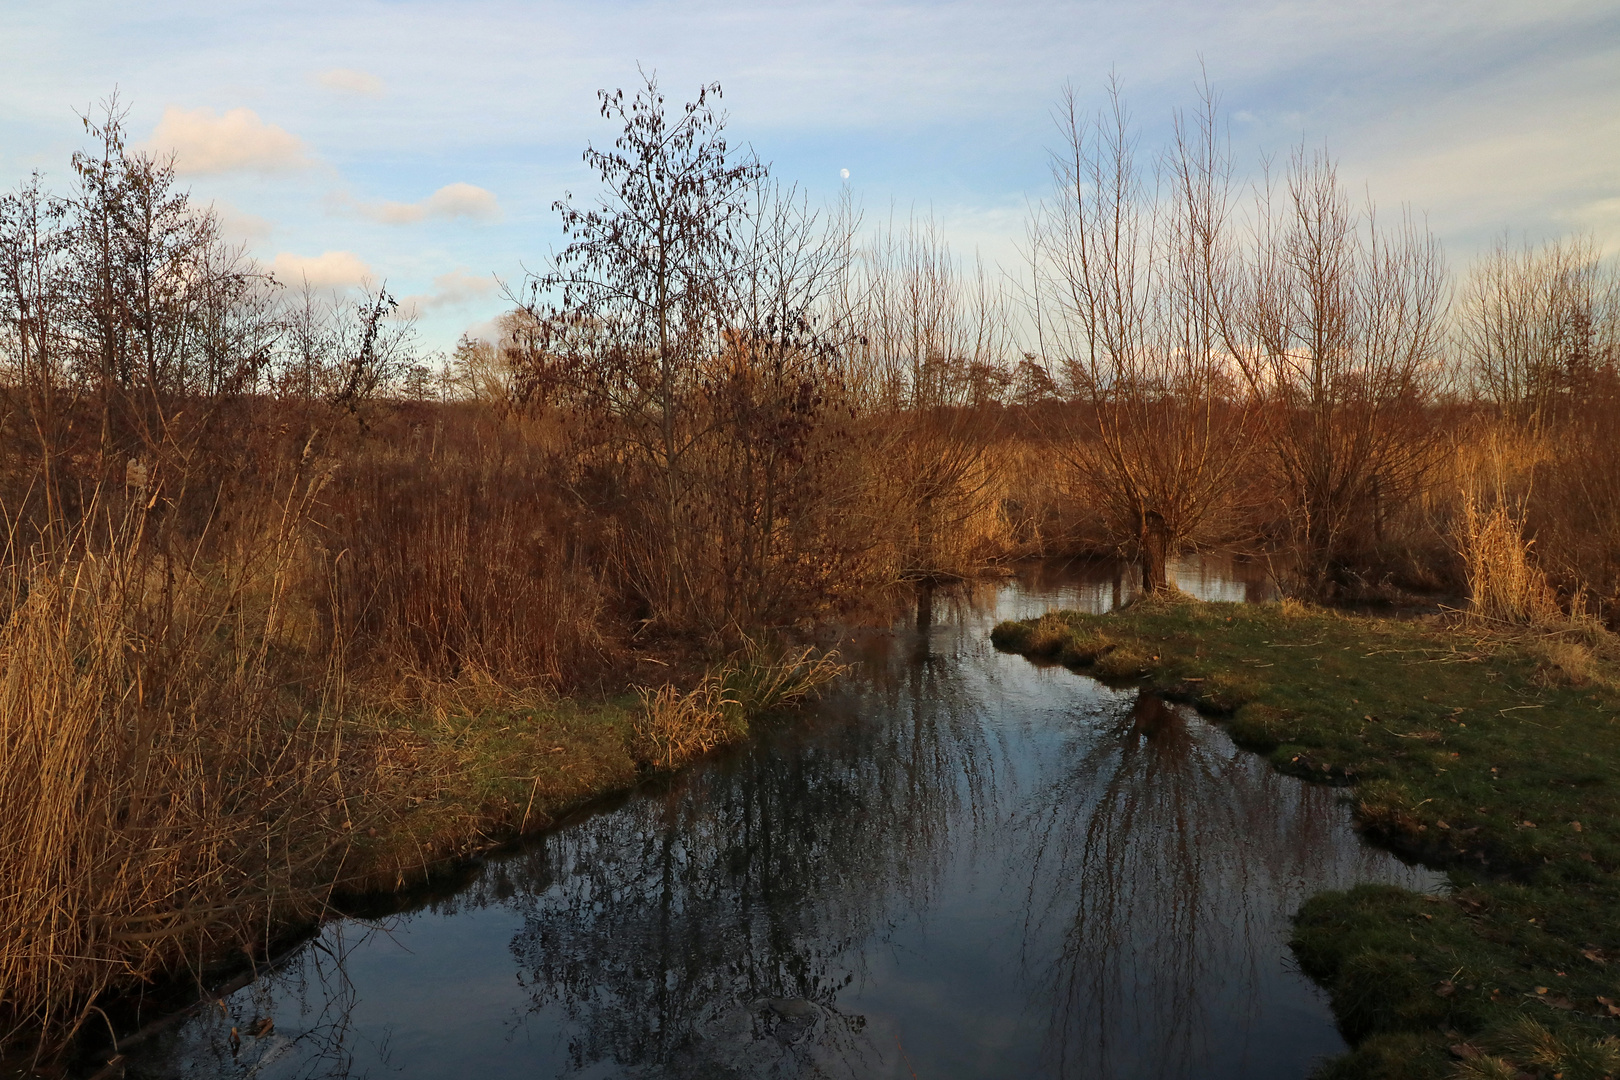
[160, 794]
[462, 561]
[1504, 584]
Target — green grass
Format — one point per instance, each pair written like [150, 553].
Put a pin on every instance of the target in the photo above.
[1495, 757]
[441, 784]
[479, 764]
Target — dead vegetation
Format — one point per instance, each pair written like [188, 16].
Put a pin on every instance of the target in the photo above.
[674, 726]
[160, 796]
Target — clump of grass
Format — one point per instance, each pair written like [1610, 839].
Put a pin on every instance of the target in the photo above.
[1526, 1045]
[1564, 660]
[675, 726]
[1056, 636]
[764, 679]
[1504, 584]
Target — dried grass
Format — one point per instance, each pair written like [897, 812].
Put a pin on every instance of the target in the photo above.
[458, 567]
[160, 797]
[675, 726]
[1525, 1044]
[1504, 583]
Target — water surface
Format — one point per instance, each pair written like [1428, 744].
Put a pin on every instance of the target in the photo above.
[958, 865]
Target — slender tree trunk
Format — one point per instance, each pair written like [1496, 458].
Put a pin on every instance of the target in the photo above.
[1153, 543]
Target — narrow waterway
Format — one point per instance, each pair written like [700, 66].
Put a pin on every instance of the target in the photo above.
[959, 864]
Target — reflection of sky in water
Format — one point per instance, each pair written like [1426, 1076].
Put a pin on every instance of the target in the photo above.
[1218, 577]
[959, 865]
[1102, 585]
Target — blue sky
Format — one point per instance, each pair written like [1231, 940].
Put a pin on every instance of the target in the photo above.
[423, 143]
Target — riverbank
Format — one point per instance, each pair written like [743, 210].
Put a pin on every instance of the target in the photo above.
[424, 786]
[1495, 756]
[476, 771]
[433, 789]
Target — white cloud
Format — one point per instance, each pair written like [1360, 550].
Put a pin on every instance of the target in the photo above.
[462, 200]
[449, 202]
[484, 330]
[459, 287]
[239, 226]
[456, 289]
[328, 270]
[350, 81]
[205, 143]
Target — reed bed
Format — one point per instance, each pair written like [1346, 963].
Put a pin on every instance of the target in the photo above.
[161, 798]
[189, 764]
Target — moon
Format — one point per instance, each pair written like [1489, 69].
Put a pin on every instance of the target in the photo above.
[844, 173]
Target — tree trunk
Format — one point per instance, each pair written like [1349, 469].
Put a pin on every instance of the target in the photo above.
[1154, 541]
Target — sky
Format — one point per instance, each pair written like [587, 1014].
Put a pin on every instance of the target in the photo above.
[423, 144]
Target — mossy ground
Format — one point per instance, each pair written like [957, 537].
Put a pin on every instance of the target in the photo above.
[449, 783]
[1494, 756]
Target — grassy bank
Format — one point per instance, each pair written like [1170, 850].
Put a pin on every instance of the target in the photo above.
[1495, 756]
[168, 847]
[450, 781]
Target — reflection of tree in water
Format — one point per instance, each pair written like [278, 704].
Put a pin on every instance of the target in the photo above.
[1168, 862]
[710, 929]
[1099, 585]
[704, 929]
[318, 1039]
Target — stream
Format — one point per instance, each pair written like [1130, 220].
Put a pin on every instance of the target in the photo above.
[957, 864]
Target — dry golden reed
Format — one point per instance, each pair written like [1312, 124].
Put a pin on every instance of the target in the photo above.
[675, 726]
[158, 798]
[1504, 583]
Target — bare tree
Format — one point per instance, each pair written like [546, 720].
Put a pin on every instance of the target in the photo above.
[374, 350]
[1133, 284]
[138, 251]
[340, 351]
[771, 399]
[629, 309]
[683, 330]
[494, 372]
[121, 298]
[32, 271]
[1343, 331]
[1537, 325]
[930, 346]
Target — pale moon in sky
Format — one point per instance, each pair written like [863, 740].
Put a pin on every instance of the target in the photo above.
[844, 173]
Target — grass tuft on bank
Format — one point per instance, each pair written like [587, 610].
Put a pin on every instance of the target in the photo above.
[1493, 755]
